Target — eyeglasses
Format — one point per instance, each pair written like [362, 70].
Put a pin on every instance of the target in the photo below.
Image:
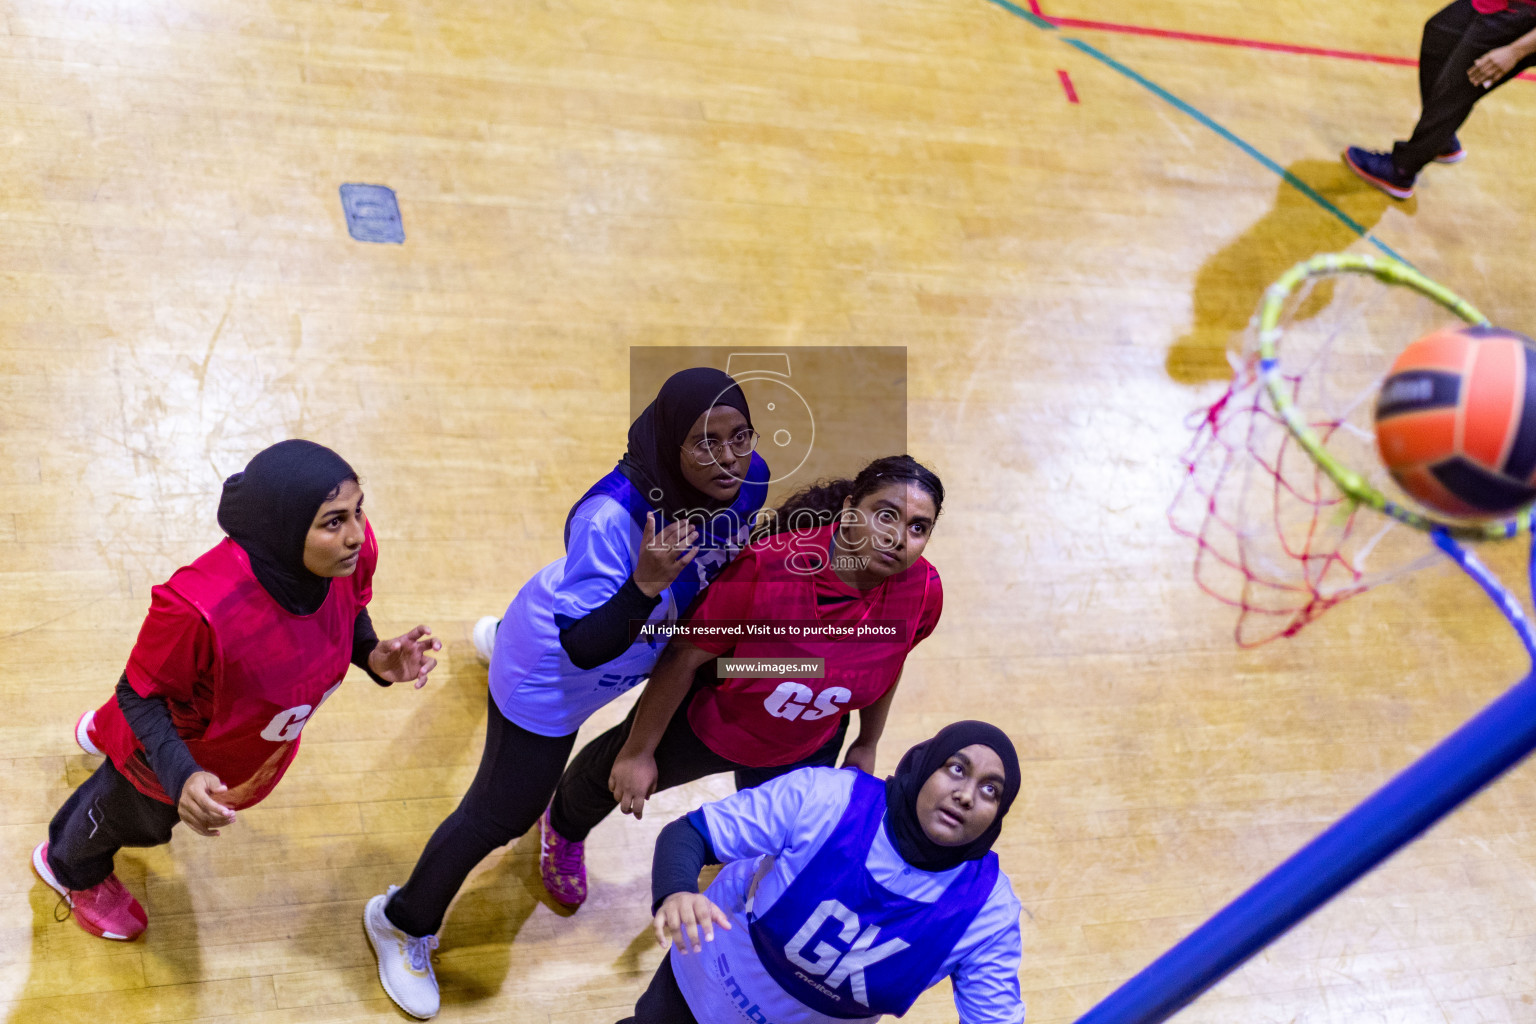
[709, 450]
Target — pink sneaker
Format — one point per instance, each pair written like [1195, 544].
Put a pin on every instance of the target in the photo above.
[107, 910]
[85, 733]
[562, 865]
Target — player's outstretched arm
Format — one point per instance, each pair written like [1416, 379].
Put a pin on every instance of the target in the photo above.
[633, 778]
[861, 752]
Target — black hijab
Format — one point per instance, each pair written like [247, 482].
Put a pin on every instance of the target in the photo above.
[916, 766]
[268, 508]
[657, 435]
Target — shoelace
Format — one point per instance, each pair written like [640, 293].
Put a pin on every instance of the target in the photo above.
[418, 952]
[110, 896]
[69, 908]
[565, 853]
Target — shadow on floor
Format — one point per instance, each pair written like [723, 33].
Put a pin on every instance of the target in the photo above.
[1229, 285]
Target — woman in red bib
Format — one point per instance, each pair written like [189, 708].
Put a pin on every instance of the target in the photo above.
[237, 652]
[837, 577]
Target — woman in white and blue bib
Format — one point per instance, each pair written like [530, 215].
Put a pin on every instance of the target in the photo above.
[844, 898]
[640, 545]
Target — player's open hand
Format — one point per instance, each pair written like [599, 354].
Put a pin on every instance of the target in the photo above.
[683, 916]
[664, 555]
[199, 806]
[1492, 66]
[632, 782]
[406, 656]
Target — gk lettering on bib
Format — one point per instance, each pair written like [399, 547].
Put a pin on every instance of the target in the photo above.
[845, 946]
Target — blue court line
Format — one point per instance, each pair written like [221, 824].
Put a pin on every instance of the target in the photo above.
[1205, 119]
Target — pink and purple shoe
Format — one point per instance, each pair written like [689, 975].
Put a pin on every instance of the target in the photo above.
[562, 865]
[107, 910]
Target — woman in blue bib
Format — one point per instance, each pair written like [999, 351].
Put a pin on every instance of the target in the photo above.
[639, 546]
[844, 898]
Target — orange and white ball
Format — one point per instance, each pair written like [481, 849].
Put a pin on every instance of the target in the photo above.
[1456, 421]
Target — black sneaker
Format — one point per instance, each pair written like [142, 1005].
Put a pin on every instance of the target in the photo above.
[1379, 170]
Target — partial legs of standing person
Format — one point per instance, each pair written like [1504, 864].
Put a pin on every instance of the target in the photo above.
[518, 772]
[1455, 39]
[101, 817]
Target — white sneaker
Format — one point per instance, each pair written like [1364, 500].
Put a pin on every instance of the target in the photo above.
[83, 727]
[484, 636]
[405, 962]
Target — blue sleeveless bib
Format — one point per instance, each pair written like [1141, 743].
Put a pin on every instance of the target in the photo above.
[720, 537]
[845, 946]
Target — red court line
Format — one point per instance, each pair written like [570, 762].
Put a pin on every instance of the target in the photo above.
[1066, 84]
[1247, 44]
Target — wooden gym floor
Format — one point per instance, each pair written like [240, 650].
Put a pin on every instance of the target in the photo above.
[1064, 265]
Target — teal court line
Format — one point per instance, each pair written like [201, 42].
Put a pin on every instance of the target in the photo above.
[1205, 119]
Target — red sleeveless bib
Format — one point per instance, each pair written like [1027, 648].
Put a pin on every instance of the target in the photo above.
[271, 670]
[766, 722]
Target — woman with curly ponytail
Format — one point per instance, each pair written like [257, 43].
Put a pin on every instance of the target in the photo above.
[835, 580]
[822, 502]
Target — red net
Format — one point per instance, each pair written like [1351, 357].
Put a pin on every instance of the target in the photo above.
[1275, 537]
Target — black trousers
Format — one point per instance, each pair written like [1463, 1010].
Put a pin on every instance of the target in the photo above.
[662, 1002]
[583, 798]
[518, 772]
[101, 817]
[1453, 41]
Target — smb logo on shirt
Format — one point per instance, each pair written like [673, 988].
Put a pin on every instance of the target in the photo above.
[744, 1004]
[835, 966]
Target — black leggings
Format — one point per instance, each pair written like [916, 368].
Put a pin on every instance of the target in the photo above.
[662, 1002]
[101, 817]
[518, 772]
[1453, 41]
[583, 798]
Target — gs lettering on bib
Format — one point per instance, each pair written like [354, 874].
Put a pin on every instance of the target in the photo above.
[794, 700]
[844, 945]
[269, 672]
[286, 725]
[761, 722]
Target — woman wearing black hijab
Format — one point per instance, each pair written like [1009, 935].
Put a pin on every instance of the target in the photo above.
[842, 898]
[237, 651]
[640, 544]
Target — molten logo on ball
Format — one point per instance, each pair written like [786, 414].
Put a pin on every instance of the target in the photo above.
[1456, 421]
